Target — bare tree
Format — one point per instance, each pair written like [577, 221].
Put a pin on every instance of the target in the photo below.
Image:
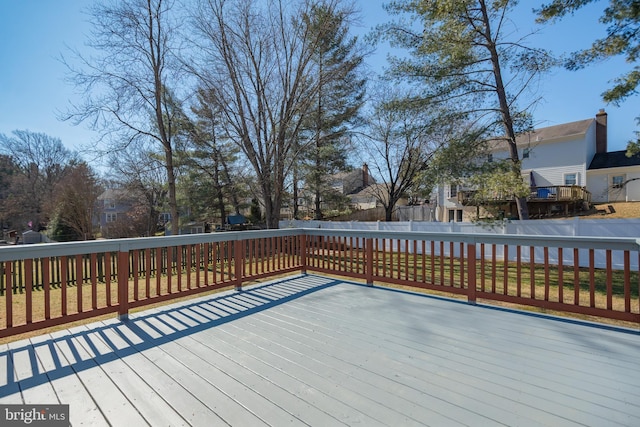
[139, 172]
[8, 172]
[128, 84]
[38, 162]
[75, 201]
[258, 60]
[399, 144]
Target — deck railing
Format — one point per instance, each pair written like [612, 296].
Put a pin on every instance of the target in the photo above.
[550, 193]
[52, 284]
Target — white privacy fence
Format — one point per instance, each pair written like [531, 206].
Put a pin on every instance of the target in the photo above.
[554, 227]
[548, 238]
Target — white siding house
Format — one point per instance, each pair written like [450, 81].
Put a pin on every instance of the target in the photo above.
[558, 156]
[614, 177]
[568, 154]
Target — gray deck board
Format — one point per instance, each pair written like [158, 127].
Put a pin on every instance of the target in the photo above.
[114, 405]
[421, 378]
[25, 365]
[318, 351]
[10, 390]
[503, 358]
[150, 404]
[67, 387]
[170, 383]
[430, 370]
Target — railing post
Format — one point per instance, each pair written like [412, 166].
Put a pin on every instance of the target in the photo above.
[368, 269]
[123, 284]
[303, 253]
[471, 273]
[8, 292]
[238, 262]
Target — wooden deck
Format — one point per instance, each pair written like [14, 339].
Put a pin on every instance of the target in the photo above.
[318, 351]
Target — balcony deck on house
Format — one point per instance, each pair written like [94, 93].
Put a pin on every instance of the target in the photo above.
[542, 202]
[321, 351]
[548, 194]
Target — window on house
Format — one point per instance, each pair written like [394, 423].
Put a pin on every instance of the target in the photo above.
[163, 218]
[617, 181]
[111, 217]
[455, 215]
[571, 179]
[490, 158]
[525, 153]
[453, 191]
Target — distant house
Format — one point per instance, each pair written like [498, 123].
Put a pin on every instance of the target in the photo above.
[365, 198]
[116, 216]
[352, 182]
[567, 161]
[358, 185]
[614, 177]
[349, 185]
[113, 204]
[194, 227]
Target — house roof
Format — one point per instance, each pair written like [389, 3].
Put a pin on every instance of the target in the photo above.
[565, 130]
[613, 159]
[351, 182]
[555, 132]
[113, 194]
[341, 175]
[371, 190]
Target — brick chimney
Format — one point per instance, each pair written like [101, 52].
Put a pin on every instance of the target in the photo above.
[601, 131]
[365, 174]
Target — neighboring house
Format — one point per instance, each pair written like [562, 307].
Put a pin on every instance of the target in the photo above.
[352, 182]
[614, 177]
[570, 157]
[447, 206]
[359, 186]
[372, 196]
[194, 227]
[366, 197]
[113, 203]
[116, 204]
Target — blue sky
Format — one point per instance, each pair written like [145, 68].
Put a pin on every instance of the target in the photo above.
[34, 33]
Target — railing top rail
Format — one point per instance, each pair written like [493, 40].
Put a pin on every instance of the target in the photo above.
[10, 253]
[581, 242]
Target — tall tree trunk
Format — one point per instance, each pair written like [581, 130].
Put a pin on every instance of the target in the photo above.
[318, 167]
[171, 180]
[156, 57]
[505, 112]
[388, 213]
[219, 189]
[296, 190]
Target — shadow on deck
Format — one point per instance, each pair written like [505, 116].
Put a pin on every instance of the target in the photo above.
[144, 331]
